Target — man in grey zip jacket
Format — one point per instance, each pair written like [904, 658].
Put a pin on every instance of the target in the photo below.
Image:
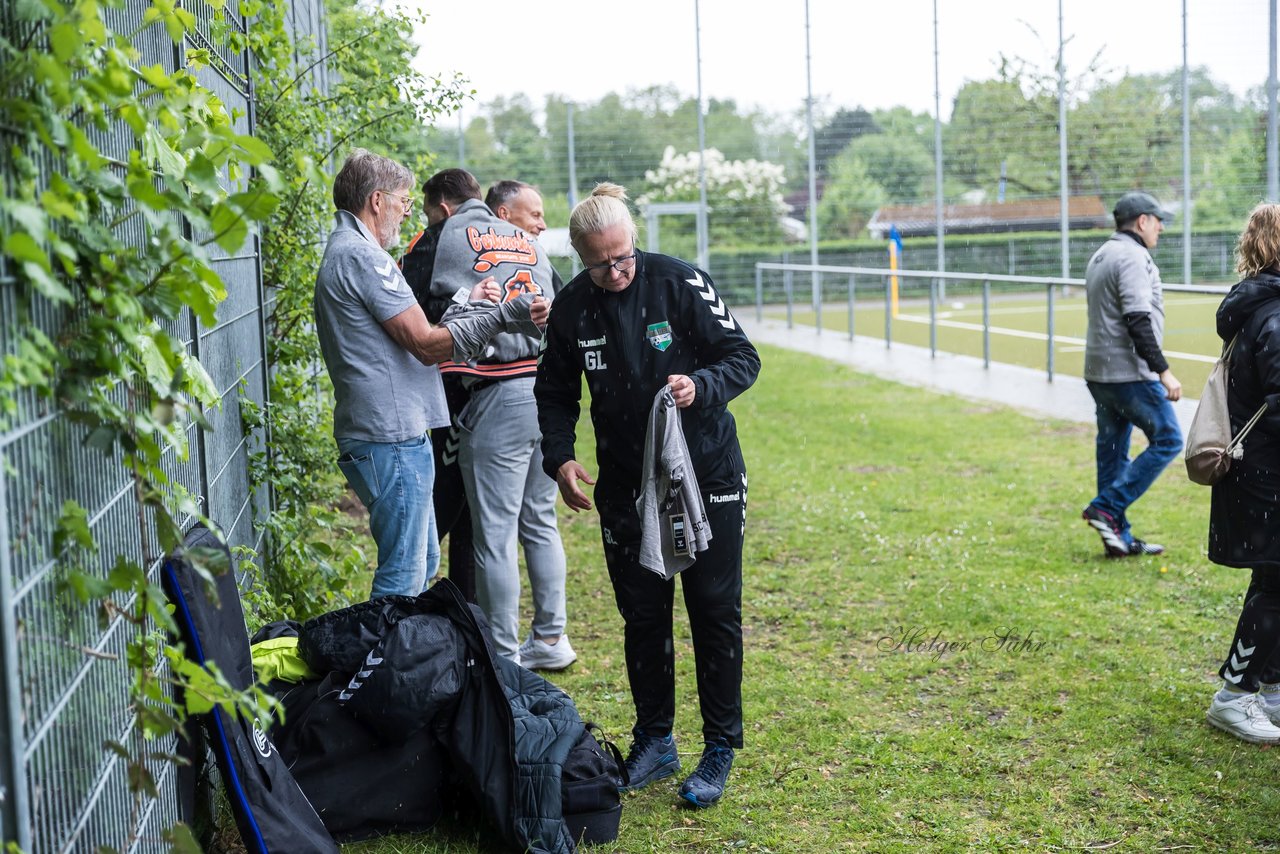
[1126, 371]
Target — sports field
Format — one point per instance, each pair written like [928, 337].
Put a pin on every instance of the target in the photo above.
[1019, 324]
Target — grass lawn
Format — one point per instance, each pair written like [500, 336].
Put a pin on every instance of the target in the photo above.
[937, 654]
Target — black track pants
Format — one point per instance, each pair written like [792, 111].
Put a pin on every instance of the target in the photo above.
[713, 599]
[453, 517]
[1253, 658]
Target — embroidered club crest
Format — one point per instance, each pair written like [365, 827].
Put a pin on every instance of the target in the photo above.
[659, 335]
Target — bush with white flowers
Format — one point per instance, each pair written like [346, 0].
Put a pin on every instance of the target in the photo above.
[744, 197]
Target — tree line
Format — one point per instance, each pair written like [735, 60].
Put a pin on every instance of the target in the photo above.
[999, 143]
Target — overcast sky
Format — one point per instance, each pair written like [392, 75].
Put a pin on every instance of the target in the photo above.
[869, 54]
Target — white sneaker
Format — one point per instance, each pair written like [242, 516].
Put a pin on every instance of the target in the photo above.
[1244, 718]
[537, 654]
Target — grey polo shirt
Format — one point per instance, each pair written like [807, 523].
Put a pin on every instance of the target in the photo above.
[1121, 279]
[382, 393]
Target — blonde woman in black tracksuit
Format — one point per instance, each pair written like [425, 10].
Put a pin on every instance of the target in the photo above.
[633, 322]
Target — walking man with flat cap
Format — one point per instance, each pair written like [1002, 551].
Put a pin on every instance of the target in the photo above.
[1126, 371]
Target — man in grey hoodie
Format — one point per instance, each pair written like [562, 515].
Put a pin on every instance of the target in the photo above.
[1126, 371]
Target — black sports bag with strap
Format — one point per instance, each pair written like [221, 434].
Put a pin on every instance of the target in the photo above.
[271, 812]
[589, 782]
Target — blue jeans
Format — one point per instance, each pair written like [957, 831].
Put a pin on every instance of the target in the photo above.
[394, 480]
[1121, 407]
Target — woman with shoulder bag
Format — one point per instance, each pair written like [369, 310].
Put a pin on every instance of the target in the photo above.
[1244, 519]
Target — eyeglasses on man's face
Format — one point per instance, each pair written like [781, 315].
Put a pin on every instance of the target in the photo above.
[405, 201]
[622, 265]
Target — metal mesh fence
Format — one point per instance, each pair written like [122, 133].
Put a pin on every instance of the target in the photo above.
[875, 139]
[67, 678]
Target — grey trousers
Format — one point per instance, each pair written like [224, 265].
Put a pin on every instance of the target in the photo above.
[511, 500]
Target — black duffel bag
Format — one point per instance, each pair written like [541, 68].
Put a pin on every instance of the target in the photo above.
[360, 785]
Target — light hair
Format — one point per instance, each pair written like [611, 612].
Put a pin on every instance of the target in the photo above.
[604, 208]
[503, 193]
[1258, 248]
[364, 172]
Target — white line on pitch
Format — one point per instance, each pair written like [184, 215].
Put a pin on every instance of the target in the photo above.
[1040, 336]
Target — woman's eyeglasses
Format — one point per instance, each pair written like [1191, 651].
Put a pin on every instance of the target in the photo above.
[622, 265]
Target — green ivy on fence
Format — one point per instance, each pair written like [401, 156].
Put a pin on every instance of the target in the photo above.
[374, 100]
[108, 361]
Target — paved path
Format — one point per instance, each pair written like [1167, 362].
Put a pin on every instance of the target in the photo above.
[1025, 389]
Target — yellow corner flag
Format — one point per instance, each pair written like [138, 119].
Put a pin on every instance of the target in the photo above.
[895, 253]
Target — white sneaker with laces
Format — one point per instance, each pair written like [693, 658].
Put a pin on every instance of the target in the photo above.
[536, 654]
[1244, 718]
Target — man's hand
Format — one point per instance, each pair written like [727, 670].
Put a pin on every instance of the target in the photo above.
[411, 330]
[682, 389]
[486, 290]
[567, 478]
[1172, 388]
[539, 311]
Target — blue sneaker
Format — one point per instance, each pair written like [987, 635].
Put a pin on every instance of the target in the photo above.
[706, 784]
[651, 758]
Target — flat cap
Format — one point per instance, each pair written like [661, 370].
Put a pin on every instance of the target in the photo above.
[1135, 204]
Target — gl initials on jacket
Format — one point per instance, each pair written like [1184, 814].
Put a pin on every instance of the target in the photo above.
[593, 360]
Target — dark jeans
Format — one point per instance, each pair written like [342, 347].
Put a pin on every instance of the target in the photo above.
[713, 598]
[1120, 408]
[1252, 658]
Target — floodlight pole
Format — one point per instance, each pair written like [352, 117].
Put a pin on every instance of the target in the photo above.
[573, 175]
[937, 159]
[1273, 145]
[1186, 154]
[573, 160]
[1064, 190]
[462, 143]
[813, 168]
[703, 252]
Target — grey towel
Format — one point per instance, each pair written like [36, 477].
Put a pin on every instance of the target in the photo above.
[474, 324]
[673, 520]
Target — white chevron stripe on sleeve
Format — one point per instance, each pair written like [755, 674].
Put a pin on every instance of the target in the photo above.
[717, 306]
[390, 274]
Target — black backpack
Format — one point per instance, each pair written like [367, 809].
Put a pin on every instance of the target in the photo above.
[589, 782]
